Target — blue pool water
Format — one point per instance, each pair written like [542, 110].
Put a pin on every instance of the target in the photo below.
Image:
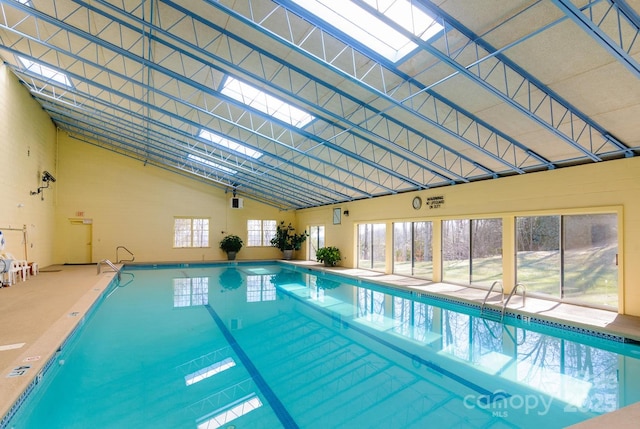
[266, 346]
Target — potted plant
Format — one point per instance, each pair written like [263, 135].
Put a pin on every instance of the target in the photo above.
[231, 244]
[287, 240]
[230, 279]
[329, 255]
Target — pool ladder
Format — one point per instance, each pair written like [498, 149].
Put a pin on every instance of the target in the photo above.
[486, 297]
[504, 303]
[118, 260]
[110, 264]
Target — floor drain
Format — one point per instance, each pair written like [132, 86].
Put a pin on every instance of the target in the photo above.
[74, 314]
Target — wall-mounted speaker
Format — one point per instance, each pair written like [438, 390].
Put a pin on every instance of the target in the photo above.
[237, 203]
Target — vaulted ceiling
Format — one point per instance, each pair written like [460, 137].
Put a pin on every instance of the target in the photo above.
[506, 87]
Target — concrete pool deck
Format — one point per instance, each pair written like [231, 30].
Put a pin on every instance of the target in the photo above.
[38, 315]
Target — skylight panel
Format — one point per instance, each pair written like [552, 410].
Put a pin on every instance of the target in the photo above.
[44, 71]
[371, 31]
[229, 144]
[211, 164]
[232, 413]
[266, 103]
[209, 371]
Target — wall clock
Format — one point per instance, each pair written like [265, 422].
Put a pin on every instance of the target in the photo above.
[417, 203]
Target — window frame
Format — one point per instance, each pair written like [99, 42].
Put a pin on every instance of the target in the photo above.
[266, 233]
[191, 231]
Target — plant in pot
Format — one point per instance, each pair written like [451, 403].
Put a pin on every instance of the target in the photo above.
[328, 255]
[287, 240]
[230, 279]
[231, 244]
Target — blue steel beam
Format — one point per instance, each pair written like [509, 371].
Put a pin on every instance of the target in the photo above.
[312, 136]
[122, 51]
[610, 25]
[123, 78]
[424, 110]
[298, 75]
[579, 130]
[92, 140]
[302, 80]
[582, 130]
[497, 67]
[101, 138]
[138, 145]
[391, 170]
[262, 174]
[138, 142]
[89, 97]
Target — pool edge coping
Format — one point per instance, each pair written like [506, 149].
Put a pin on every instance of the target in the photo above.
[49, 348]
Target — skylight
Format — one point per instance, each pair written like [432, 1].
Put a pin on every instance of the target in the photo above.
[44, 71]
[372, 32]
[209, 371]
[234, 412]
[211, 164]
[266, 103]
[223, 141]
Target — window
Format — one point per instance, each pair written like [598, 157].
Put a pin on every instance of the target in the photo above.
[46, 72]
[486, 251]
[455, 251]
[260, 232]
[412, 249]
[572, 257]
[370, 306]
[190, 232]
[456, 334]
[413, 319]
[472, 251]
[316, 240]
[538, 254]
[590, 247]
[188, 292]
[371, 31]
[266, 103]
[371, 246]
[260, 288]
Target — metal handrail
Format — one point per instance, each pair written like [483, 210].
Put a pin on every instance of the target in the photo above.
[513, 292]
[484, 301]
[110, 264]
[118, 260]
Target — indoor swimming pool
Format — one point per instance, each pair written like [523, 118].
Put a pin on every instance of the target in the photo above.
[263, 345]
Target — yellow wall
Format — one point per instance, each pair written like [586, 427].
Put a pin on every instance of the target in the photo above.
[125, 203]
[122, 202]
[27, 148]
[611, 187]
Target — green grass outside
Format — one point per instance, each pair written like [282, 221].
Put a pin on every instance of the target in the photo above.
[591, 276]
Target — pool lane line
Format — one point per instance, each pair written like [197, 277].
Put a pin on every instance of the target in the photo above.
[488, 396]
[275, 403]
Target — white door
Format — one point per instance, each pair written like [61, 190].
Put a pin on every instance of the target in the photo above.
[79, 242]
